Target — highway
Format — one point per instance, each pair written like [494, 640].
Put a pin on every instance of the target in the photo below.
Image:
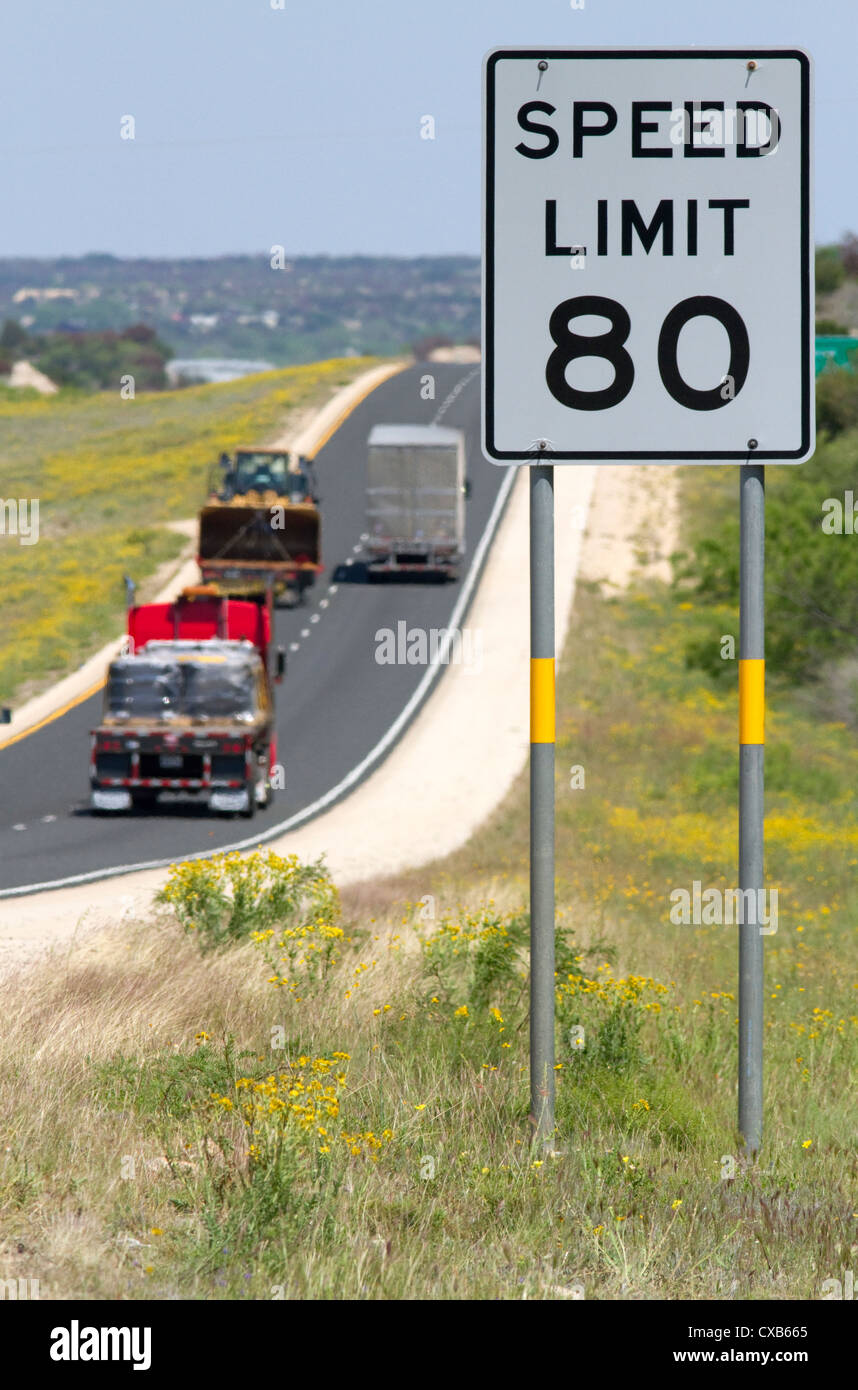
[335, 704]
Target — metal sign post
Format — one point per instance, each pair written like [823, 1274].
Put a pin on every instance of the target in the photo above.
[542, 803]
[647, 297]
[751, 805]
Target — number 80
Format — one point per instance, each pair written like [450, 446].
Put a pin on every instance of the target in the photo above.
[610, 346]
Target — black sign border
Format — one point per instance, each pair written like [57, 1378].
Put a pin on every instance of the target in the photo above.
[665, 455]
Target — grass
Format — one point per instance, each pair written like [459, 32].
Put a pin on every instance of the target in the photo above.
[108, 474]
[266, 1092]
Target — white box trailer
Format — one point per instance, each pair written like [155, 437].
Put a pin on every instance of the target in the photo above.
[415, 499]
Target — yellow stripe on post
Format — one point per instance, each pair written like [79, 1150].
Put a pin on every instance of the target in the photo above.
[752, 701]
[542, 699]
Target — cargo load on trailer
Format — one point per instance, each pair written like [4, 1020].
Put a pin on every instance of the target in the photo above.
[415, 499]
[260, 530]
[190, 708]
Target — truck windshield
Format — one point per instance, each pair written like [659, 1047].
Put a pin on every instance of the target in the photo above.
[261, 472]
[218, 691]
[144, 689]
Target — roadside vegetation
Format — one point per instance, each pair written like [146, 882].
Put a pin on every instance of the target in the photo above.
[836, 262]
[108, 475]
[837, 287]
[811, 561]
[271, 1090]
[89, 361]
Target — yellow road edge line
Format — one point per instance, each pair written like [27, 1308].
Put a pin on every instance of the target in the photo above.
[396, 368]
[79, 699]
[57, 714]
[542, 699]
[752, 700]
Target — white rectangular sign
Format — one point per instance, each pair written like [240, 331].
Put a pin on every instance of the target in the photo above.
[647, 255]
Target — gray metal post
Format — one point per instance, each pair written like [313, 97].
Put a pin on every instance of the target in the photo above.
[751, 809]
[542, 802]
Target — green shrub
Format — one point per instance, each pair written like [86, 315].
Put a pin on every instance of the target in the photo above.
[836, 401]
[829, 269]
[830, 328]
[233, 897]
[811, 576]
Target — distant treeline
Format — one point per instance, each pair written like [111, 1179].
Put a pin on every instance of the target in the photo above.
[89, 361]
[282, 309]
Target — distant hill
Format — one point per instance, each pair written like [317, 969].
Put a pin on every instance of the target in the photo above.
[315, 307]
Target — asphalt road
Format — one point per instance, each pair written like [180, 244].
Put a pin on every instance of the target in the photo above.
[335, 702]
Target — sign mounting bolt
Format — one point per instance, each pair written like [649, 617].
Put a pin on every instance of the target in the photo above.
[542, 65]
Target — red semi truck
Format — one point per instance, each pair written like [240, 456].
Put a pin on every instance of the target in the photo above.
[190, 708]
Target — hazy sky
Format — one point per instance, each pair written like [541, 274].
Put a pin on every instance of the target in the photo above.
[301, 126]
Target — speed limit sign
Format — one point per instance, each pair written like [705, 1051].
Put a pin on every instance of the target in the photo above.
[647, 255]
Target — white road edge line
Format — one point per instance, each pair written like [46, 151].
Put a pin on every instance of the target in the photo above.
[452, 396]
[374, 755]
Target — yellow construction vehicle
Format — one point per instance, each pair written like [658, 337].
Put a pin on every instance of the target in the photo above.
[260, 530]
